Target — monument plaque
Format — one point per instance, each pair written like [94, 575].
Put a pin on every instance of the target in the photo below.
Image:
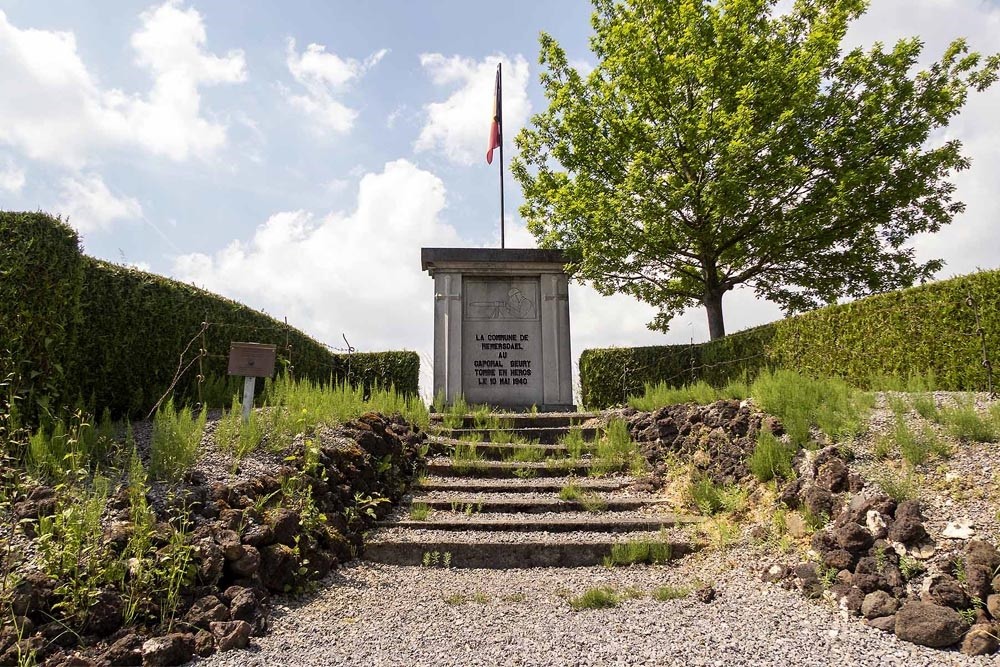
[501, 327]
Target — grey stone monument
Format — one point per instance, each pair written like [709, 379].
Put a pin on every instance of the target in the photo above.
[501, 327]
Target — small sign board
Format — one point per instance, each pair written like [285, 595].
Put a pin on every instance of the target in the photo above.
[252, 359]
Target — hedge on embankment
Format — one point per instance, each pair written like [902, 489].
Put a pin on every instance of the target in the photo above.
[116, 334]
[930, 331]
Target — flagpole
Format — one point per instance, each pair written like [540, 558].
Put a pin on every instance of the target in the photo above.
[500, 126]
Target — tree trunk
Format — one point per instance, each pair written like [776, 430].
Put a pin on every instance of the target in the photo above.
[716, 322]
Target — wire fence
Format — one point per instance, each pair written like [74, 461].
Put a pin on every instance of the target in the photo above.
[185, 362]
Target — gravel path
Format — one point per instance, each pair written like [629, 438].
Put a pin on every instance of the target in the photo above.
[374, 615]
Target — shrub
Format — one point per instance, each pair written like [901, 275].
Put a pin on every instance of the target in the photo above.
[921, 334]
[41, 272]
[75, 326]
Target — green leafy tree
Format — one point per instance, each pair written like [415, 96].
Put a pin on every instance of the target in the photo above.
[719, 143]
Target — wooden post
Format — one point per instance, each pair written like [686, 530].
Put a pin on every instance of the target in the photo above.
[249, 383]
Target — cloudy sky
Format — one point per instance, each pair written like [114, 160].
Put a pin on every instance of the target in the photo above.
[297, 155]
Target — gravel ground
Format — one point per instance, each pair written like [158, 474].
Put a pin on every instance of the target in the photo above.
[381, 615]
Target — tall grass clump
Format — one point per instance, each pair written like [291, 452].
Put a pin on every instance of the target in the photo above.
[652, 552]
[925, 407]
[801, 402]
[302, 405]
[176, 437]
[595, 598]
[574, 443]
[237, 436]
[964, 422]
[71, 445]
[660, 394]
[616, 452]
[771, 458]
[454, 414]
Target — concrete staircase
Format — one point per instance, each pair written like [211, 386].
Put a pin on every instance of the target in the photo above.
[488, 502]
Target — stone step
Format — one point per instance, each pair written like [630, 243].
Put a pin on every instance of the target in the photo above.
[522, 419]
[503, 469]
[516, 485]
[496, 450]
[564, 551]
[514, 504]
[545, 435]
[593, 524]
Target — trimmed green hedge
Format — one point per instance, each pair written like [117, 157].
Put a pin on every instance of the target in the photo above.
[132, 327]
[927, 331]
[40, 281]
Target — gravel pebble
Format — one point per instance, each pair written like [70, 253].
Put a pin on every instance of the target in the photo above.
[369, 614]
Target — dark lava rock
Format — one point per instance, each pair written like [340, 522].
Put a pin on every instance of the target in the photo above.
[839, 559]
[883, 623]
[981, 639]
[204, 643]
[249, 564]
[817, 500]
[206, 610]
[285, 526]
[231, 635]
[832, 476]
[907, 530]
[947, 592]
[982, 562]
[105, 614]
[929, 624]
[127, 650]
[278, 567]
[853, 538]
[877, 604]
[173, 649]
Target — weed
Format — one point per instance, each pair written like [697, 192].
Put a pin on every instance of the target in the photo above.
[664, 593]
[897, 404]
[466, 456]
[883, 447]
[176, 437]
[801, 402]
[240, 437]
[446, 559]
[925, 407]
[771, 458]
[595, 598]
[722, 533]
[965, 423]
[574, 443]
[526, 454]
[909, 566]
[570, 492]
[658, 395]
[899, 486]
[419, 511]
[639, 551]
[525, 473]
[480, 598]
[591, 502]
[969, 615]
[454, 414]
[813, 520]
[705, 495]
[454, 598]
[514, 597]
[616, 451]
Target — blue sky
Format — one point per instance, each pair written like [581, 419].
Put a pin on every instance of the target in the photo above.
[296, 155]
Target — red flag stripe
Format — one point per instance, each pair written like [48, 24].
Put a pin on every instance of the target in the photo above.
[495, 125]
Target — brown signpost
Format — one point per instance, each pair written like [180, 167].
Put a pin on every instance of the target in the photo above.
[251, 361]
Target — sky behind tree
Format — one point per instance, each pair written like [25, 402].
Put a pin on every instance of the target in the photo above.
[296, 156]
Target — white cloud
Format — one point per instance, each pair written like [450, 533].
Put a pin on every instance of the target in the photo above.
[356, 273]
[459, 126]
[11, 177]
[88, 205]
[54, 109]
[324, 75]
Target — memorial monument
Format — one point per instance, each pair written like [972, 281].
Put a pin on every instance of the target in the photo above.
[501, 327]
